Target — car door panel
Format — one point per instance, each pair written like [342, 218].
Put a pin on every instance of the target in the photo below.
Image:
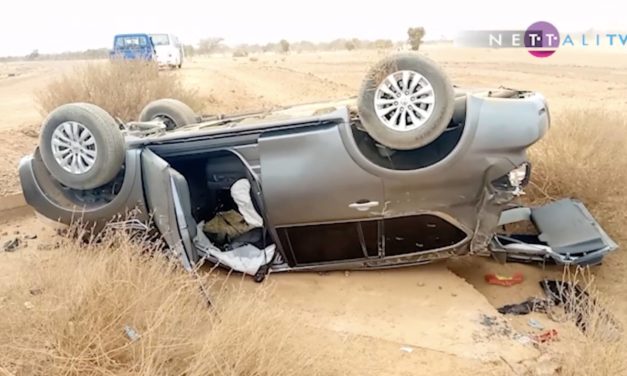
[308, 177]
[324, 206]
[164, 204]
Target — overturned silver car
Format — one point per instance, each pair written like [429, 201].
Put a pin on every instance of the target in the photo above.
[418, 171]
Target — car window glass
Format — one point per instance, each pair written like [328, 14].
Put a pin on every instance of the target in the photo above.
[160, 39]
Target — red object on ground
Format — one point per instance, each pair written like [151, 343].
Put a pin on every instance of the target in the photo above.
[549, 335]
[500, 280]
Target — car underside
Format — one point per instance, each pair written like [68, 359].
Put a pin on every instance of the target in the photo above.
[312, 187]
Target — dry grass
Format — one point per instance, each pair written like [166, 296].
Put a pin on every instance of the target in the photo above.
[583, 156]
[600, 347]
[67, 316]
[122, 88]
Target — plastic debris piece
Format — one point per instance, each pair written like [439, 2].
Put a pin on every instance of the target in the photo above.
[547, 336]
[406, 349]
[525, 307]
[524, 340]
[501, 280]
[11, 245]
[131, 333]
[535, 324]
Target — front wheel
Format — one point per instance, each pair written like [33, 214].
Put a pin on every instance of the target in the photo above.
[81, 146]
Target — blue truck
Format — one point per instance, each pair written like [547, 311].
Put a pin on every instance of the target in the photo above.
[133, 47]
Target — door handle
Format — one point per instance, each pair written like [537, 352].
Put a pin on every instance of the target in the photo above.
[363, 205]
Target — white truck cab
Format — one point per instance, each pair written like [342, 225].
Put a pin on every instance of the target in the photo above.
[169, 50]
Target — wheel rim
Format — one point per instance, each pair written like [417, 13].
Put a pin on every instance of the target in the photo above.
[74, 147]
[404, 100]
[169, 123]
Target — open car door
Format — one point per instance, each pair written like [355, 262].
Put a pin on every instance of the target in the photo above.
[167, 196]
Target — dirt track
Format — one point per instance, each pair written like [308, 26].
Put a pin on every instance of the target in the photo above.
[379, 311]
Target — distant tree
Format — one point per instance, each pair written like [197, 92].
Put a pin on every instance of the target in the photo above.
[415, 35]
[33, 55]
[209, 45]
[383, 44]
[240, 53]
[285, 46]
[269, 47]
[349, 45]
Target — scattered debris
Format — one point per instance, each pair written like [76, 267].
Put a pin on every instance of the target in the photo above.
[407, 349]
[535, 324]
[525, 307]
[523, 339]
[30, 237]
[36, 291]
[547, 336]
[131, 333]
[11, 245]
[500, 280]
[29, 305]
[497, 327]
[488, 320]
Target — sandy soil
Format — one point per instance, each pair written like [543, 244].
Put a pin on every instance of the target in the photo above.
[436, 311]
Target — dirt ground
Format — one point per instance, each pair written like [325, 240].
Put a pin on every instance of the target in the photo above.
[435, 318]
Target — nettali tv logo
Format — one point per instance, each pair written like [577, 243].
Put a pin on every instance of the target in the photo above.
[541, 39]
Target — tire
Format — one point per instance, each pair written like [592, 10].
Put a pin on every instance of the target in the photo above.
[90, 163]
[174, 112]
[389, 121]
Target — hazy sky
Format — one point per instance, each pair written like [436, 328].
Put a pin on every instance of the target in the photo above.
[62, 25]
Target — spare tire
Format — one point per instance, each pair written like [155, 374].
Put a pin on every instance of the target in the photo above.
[172, 112]
[405, 101]
[81, 146]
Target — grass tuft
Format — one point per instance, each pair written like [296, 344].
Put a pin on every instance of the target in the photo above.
[121, 87]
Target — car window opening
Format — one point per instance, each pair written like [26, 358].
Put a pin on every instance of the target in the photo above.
[226, 210]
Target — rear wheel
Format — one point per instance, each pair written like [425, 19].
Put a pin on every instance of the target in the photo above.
[406, 101]
[172, 112]
[81, 146]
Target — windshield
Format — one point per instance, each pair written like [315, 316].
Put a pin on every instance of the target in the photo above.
[135, 41]
[160, 39]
